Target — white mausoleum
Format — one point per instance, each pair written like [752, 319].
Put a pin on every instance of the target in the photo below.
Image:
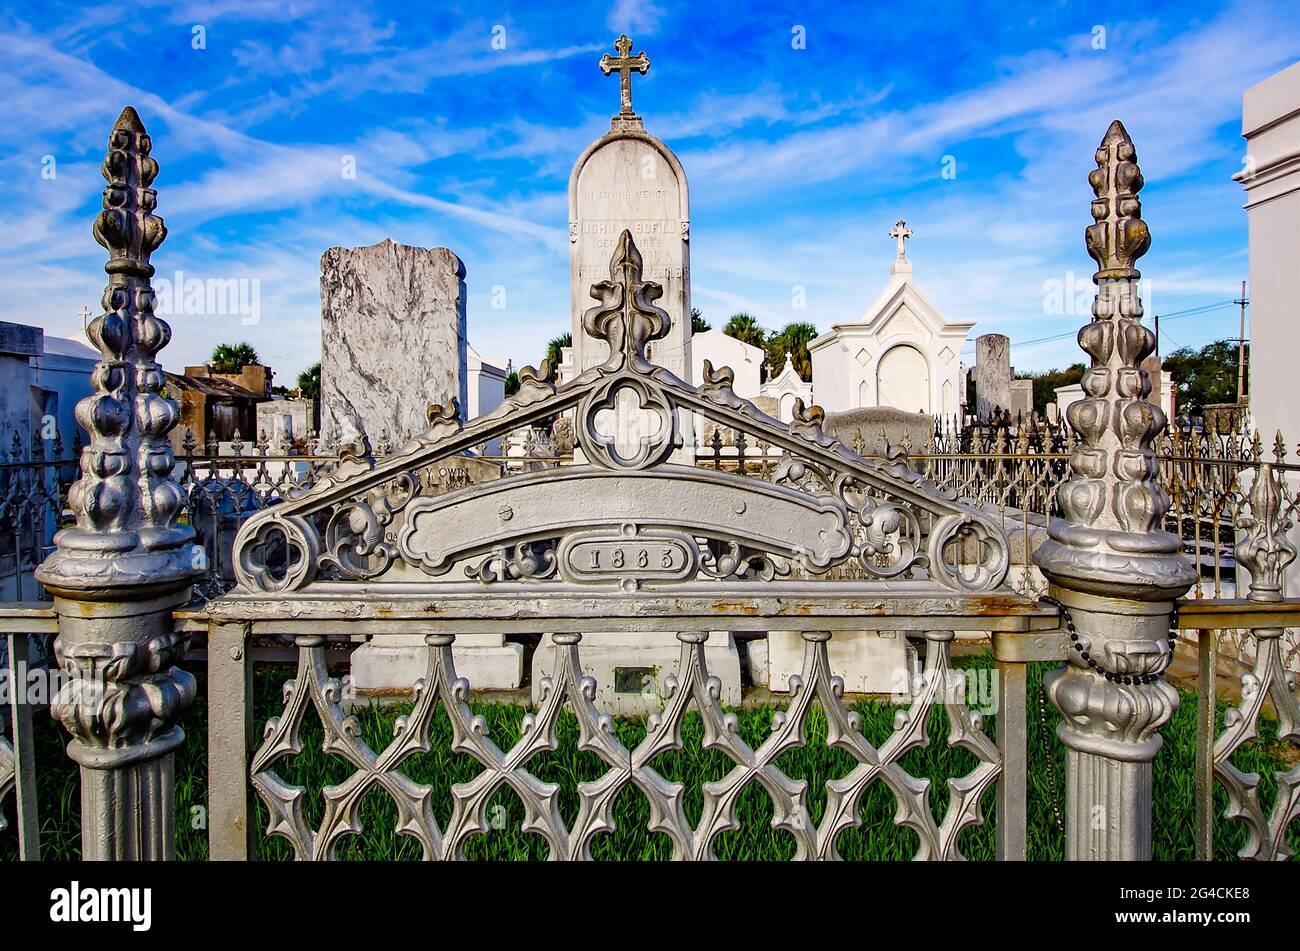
[903, 352]
[785, 388]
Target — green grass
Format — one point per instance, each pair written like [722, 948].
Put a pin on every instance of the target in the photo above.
[877, 838]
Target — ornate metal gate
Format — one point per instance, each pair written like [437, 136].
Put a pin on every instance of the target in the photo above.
[626, 541]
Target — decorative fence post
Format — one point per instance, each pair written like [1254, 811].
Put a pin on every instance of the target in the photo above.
[117, 575]
[1112, 568]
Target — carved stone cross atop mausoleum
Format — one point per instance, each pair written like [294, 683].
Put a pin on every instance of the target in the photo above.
[901, 232]
[624, 64]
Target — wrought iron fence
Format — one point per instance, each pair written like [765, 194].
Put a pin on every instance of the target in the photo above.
[34, 480]
[1012, 471]
[726, 546]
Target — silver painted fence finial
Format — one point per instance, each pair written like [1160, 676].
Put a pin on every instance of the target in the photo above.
[119, 573]
[1111, 538]
[126, 503]
[1111, 566]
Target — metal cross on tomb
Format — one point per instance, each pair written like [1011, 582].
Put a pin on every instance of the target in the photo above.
[901, 232]
[624, 64]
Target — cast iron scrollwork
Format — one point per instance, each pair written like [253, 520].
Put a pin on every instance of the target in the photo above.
[276, 553]
[991, 554]
[527, 561]
[731, 561]
[356, 541]
[890, 539]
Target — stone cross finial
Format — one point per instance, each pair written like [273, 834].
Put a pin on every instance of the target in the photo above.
[623, 64]
[901, 232]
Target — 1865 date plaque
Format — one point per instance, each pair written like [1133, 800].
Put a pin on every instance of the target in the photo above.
[628, 556]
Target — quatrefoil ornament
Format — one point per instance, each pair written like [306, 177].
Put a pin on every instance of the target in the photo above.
[278, 553]
[628, 424]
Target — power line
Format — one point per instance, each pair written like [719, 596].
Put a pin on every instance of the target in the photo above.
[1189, 312]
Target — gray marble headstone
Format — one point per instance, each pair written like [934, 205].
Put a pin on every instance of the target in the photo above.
[992, 375]
[392, 337]
[1022, 400]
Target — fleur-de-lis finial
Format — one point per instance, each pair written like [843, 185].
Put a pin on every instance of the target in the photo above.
[627, 317]
[1264, 549]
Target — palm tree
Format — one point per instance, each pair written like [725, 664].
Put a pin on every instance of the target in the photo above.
[233, 357]
[698, 324]
[553, 349]
[744, 327]
[309, 382]
[792, 340]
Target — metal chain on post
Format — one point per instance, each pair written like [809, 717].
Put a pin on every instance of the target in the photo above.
[1058, 814]
[1048, 759]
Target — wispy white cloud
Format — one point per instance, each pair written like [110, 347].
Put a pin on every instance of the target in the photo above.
[634, 17]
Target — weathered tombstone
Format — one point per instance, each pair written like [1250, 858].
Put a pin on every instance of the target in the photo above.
[874, 662]
[629, 179]
[392, 337]
[283, 423]
[1022, 399]
[900, 428]
[992, 375]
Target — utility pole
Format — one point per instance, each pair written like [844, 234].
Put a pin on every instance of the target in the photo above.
[1241, 347]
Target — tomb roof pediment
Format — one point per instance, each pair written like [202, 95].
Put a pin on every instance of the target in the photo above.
[902, 307]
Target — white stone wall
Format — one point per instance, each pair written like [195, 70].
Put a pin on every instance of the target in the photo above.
[1271, 178]
[724, 351]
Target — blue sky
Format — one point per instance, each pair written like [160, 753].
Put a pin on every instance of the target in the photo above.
[799, 160]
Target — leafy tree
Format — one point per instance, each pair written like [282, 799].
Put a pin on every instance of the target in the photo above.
[233, 357]
[1045, 384]
[309, 382]
[553, 349]
[512, 383]
[1205, 376]
[792, 339]
[698, 324]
